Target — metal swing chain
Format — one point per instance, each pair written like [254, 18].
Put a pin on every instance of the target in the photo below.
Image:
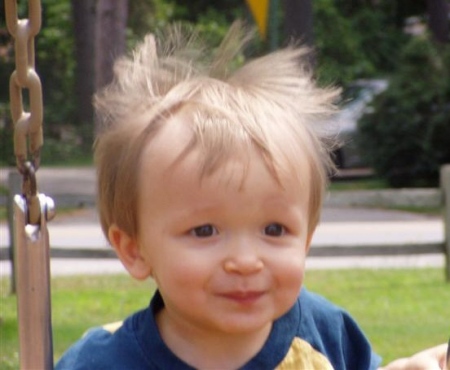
[31, 209]
[27, 125]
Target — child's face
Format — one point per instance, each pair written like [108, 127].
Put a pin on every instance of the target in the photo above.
[227, 250]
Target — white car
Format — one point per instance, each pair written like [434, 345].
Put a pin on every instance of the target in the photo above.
[356, 100]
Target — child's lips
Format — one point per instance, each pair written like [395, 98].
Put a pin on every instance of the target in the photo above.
[243, 297]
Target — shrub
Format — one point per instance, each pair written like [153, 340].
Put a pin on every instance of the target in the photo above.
[407, 139]
[355, 41]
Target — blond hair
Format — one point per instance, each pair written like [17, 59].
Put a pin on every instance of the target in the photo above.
[229, 111]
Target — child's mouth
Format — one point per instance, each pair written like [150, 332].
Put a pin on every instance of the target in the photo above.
[243, 297]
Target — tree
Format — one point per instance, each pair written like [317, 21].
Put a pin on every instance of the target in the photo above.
[407, 138]
[298, 23]
[438, 22]
[83, 15]
[298, 20]
[110, 38]
[193, 9]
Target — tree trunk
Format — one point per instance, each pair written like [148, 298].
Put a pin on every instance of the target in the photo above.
[438, 22]
[299, 22]
[83, 13]
[109, 38]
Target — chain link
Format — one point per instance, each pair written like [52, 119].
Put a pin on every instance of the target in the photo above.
[28, 133]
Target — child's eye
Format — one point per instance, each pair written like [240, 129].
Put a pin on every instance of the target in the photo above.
[204, 231]
[274, 229]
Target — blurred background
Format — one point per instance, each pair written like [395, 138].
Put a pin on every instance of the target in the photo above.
[391, 57]
[392, 60]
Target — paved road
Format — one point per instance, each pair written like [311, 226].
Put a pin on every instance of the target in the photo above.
[338, 227]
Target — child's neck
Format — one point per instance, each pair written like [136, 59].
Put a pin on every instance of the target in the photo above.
[203, 349]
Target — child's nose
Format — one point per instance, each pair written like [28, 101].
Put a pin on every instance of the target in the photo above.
[243, 257]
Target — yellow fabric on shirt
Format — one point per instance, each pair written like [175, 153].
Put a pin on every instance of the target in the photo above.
[302, 356]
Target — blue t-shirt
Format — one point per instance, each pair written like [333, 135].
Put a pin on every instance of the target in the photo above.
[313, 334]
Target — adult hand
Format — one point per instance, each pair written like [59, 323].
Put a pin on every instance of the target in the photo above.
[429, 359]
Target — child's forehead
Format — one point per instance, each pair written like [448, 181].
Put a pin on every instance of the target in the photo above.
[178, 148]
[244, 175]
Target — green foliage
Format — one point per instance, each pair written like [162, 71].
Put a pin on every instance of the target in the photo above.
[55, 62]
[147, 16]
[353, 39]
[379, 38]
[212, 20]
[6, 137]
[67, 152]
[340, 58]
[362, 44]
[211, 24]
[194, 10]
[407, 139]
[59, 148]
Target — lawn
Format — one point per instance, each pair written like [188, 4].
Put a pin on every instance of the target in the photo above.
[401, 311]
[358, 184]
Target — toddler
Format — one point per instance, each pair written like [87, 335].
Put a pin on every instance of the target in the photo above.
[210, 182]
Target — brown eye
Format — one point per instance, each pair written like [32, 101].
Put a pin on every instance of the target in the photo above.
[204, 231]
[274, 229]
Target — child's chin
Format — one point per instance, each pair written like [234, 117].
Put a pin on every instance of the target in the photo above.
[246, 325]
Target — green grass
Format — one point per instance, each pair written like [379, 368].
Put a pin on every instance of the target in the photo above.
[401, 311]
[378, 184]
[77, 304]
[358, 184]
[3, 190]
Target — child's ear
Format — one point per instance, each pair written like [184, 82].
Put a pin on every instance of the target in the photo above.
[128, 252]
